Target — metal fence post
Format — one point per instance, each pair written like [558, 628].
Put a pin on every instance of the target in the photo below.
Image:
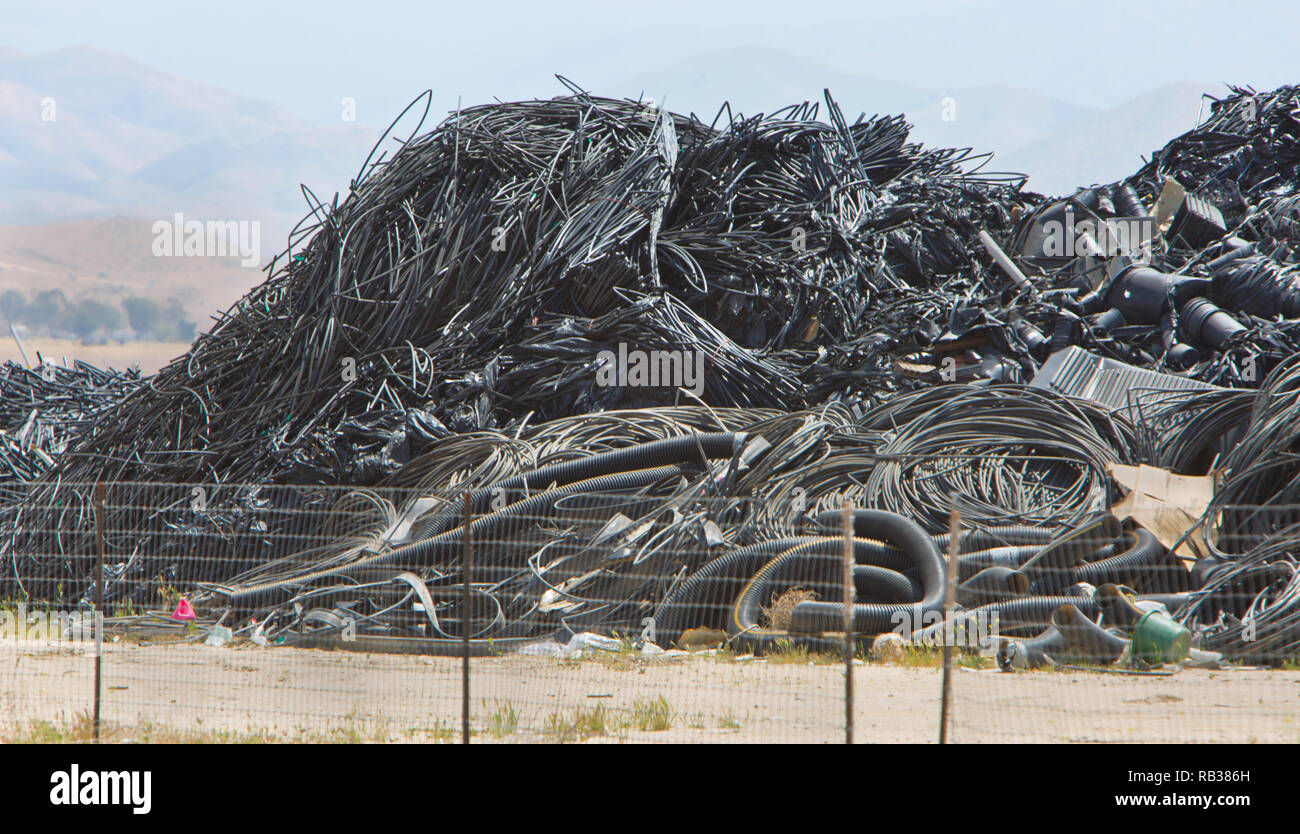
[98, 611]
[950, 594]
[846, 578]
[466, 567]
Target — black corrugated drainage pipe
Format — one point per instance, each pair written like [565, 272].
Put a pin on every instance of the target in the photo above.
[878, 618]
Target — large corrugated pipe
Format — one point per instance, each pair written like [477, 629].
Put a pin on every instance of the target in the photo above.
[814, 565]
[690, 448]
[878, 618]
[448, 544]
[704, 599]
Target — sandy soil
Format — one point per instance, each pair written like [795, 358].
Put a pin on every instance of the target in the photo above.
[150, 356]
[112, 258]
[295, 693]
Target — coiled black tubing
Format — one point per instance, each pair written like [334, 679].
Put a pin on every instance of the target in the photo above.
[684, 449]
[878, 618]
[706, 597]
[1013, 615]
[1146, 561]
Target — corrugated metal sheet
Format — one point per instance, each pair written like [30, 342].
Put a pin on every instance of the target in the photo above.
[1077, 373]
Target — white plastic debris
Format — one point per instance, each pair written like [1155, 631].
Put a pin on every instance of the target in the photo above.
[587, 640]
[219, 636]
[1201, 659]
[543, 648]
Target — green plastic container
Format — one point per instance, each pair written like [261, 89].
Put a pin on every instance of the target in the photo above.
[1159, 638]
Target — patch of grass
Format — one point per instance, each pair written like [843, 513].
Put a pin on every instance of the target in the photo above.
[931, 657]
[439, 733]
[357, 728]
[728, 721]
[169, 595]
[787, 651]
[30, 606]
[504, 720]
[125, 608]
[80, 730]
[918, 657]
[43, 732]
[618, 661]
[579, 725]
[652, 716]
[349, 734]
[77, 730]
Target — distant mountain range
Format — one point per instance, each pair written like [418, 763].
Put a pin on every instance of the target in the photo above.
[1061, 145]
[88, 133]
[1110, 144]
[758, 79]
[103, 146]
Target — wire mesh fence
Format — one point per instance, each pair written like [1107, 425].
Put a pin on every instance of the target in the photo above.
[303, 613]
[629, 610]
[1181, 631]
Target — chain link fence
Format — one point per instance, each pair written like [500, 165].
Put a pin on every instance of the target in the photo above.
[549, 614]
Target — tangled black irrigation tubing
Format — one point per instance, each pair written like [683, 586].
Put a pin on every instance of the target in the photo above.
[1248, 607]
[425, 552]
[499, 219]
[688, 448]
[1012, 616]
[1204, 427]
[705, 598]
[1052, 568]
[827, 324]
[43, 408]
[1259, 489]
[1015, 455]
[992, 584]
[472, 277]
[1146, 565]
[701, 600]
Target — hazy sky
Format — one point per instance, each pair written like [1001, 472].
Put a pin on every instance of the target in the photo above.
[306, 57]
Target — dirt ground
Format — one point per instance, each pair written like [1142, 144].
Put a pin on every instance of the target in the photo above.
[149, 356]
[195, 692]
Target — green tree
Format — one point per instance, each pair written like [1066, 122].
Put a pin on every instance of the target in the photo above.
[185, 330]
[47, 309]
[88, 315]
[174, 326]
[14, 304]
[142, 314]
